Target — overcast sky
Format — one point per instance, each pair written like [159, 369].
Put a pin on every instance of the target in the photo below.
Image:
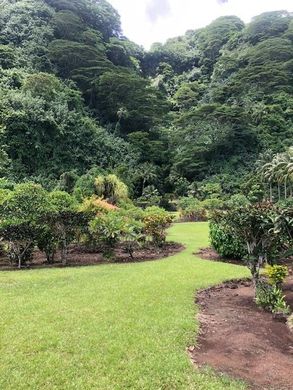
[148, 21]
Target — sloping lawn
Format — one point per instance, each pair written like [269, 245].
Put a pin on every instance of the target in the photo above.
[110, 326]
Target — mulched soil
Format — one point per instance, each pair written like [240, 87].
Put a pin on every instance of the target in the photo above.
[243, 341]
[210, 254]
[78, 256]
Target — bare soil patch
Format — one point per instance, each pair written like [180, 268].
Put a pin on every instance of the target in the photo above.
[80, 256]
[241, 340]
[210, 254]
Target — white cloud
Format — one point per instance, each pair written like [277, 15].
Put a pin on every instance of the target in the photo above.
[148, 21]
[156, 9]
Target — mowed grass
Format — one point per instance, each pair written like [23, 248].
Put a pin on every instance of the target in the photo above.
[109, 327]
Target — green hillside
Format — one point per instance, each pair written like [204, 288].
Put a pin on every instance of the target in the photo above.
[76, 95]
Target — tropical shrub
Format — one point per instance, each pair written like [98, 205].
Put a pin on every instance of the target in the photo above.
[192, 209]
[27, 202]
[131, 211]
[31, 216]
[106, 229]
[62, 201]
[60, 228]
[111, 188]
[18, 239]
[237, 200]
[6, 184]
[110, 229]
[62, 224]
[269, 295]
[132, 235]
[156, 221]
[85, 184]
[67, 181]
[224, 243]
[276, 274]
[210, 190]
[271, 298]
[211, 205]
[255, 226]
[48, 240]
[4, 195]
[96, 205]
[20, 212]
[150, 197]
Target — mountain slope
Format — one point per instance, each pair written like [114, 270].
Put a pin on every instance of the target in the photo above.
[76, 94]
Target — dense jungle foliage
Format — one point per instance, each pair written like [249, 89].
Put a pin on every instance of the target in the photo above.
[78, 99]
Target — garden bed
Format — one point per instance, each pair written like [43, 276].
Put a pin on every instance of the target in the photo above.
[210, 254]
[79, 256]
[241, 340]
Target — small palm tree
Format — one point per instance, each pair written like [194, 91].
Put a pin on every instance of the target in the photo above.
[267, 174]
[148, 173]
[278, 171]
[264, 167]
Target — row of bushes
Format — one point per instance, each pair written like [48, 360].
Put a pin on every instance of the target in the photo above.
[194, 209]
[32, 217]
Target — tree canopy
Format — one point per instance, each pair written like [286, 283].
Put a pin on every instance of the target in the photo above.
[76, 95]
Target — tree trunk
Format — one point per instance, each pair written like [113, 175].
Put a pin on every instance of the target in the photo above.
[271, 192]
[21, 255]
[255, 266]
[143, 185]
[64, 252]
[50, 257]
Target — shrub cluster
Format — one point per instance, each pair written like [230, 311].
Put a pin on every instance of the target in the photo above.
[156, 221]
[276, 274]
[225, 243]
[269, 293]
[260, 233]
[271, 298]
[31, 217]
[201, 208]
[193, 209]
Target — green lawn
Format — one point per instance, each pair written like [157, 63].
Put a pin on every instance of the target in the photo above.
[110, 326]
